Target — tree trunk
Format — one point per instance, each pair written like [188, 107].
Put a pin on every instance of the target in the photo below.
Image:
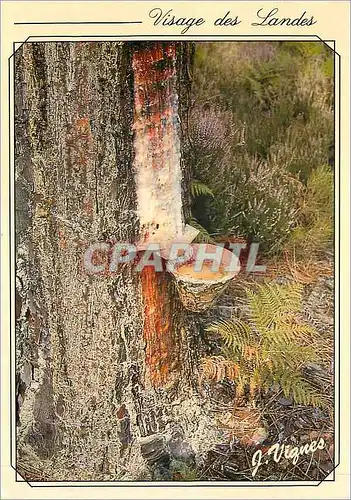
[106, 364]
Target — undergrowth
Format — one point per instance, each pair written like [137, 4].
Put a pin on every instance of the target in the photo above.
[270, 347]
[262, 137]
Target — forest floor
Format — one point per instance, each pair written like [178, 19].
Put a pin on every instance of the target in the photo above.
[273, 419]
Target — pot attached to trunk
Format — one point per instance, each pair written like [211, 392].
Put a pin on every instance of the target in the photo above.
[200, 280]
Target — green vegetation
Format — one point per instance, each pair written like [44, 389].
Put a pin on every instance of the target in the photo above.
[262, 142]
[182, 471]
[314, 230]
[270, 347]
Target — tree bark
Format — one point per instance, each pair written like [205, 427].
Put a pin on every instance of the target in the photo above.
[106, 389]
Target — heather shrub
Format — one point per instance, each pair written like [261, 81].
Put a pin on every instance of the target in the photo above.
[262, 123]
[258, 200]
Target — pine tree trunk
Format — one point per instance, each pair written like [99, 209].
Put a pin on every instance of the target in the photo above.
[106, 365]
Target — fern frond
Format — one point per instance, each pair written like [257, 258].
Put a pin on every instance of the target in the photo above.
[217, 368]
[203, 236]
[303, 393]
[296, 387]
[272, 300]
[270, 348]
[297, 355]
[198, 188]
[293, 328]
[259, 315]
[235, 333]
[274, 358]
[286, 381]
[278, 334]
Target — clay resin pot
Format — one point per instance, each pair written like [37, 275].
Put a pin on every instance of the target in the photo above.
[200, 282]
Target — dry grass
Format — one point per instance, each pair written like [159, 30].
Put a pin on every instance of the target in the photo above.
[304, 271]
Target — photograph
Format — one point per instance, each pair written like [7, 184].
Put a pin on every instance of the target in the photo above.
[174, 243]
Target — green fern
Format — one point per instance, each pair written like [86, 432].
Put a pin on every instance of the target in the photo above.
[272, 301]
[203, 236]
[269, 348]
[302, 392]
[235, 334]
[198, 188]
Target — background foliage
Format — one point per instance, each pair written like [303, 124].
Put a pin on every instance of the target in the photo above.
[262, 142]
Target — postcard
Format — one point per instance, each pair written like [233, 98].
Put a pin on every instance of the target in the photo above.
[175, 249]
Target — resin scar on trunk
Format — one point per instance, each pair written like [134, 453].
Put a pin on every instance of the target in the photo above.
[158, 185]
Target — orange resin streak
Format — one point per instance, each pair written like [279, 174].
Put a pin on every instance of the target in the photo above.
[157, 326]
[155, 110]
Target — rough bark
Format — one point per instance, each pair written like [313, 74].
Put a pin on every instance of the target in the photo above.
[87, 406]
